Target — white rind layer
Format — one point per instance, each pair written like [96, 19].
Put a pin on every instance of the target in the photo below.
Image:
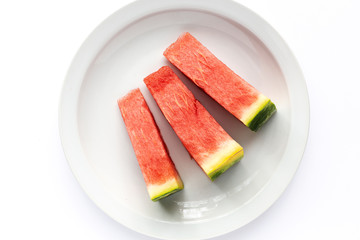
[157, 190]
[220, 158]
[249, 114]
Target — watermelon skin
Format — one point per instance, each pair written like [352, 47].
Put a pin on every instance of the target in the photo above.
[220, 82]
[206, 141]
[159, 172]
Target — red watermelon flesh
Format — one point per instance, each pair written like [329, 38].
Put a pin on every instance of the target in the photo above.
[206, 141]
[220, 82]
[160, 174]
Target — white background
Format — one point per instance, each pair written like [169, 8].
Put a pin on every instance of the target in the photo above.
[41, 199]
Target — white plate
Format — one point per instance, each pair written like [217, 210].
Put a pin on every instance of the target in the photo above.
[126, 48]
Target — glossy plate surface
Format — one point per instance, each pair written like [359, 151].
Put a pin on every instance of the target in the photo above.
[127, 47]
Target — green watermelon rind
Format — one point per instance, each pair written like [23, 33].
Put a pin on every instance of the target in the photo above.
[262, 116]
[214, 174]
[165, 194]
[163, 190]
[228, 154]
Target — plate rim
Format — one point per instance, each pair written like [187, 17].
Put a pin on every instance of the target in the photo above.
[138, 9]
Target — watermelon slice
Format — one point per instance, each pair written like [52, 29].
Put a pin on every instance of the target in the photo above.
[220, 82]
[160, 174]
[206, 141]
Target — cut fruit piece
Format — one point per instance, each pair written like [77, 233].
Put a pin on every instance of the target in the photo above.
[220, 82]
[160, 174]
[206, 141]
